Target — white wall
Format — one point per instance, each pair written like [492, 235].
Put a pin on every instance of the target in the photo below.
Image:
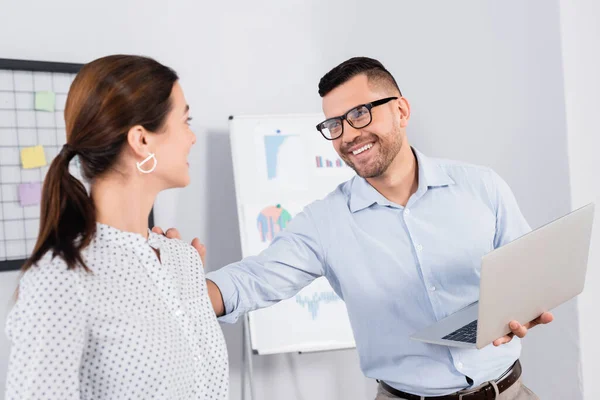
[581, 60]
[484, 80]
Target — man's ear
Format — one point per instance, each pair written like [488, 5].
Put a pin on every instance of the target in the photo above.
[404, 107]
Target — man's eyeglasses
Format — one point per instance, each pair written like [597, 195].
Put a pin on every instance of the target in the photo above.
[358, 117]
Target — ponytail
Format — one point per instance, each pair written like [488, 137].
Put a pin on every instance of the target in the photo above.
[68, 215]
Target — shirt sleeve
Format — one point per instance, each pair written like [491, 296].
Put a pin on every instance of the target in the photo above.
[47, 328]
[293, 260]
[510, 222]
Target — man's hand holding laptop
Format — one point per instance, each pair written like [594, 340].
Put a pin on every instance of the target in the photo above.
[521, 330]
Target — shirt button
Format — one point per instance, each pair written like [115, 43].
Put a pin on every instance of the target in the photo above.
[432, 288]
[196, 358]
[179, 313]
[419, 247]
[459, 365]
[406, 211]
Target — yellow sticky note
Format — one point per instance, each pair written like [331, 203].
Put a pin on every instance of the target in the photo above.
[45, 101]
[33, 157]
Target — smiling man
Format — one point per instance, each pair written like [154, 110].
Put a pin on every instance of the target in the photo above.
[401, 243]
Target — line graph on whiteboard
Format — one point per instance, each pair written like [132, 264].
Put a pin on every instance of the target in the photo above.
[314, 301]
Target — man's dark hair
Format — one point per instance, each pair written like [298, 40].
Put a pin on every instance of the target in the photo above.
[373, 69]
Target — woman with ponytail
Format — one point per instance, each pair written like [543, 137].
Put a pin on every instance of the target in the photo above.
[107, 309]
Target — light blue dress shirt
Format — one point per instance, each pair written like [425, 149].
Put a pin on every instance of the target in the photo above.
[399, 269]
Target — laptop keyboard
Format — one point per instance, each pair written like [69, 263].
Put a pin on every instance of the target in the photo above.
[467, 333]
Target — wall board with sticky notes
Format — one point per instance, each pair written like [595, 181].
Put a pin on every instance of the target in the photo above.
[32, 131]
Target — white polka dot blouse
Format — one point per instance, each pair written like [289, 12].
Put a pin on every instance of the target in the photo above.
[135, 328]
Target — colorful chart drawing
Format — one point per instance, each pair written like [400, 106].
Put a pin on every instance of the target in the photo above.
[325, 163]
[272, 146]
[272, 220]
[315, 301]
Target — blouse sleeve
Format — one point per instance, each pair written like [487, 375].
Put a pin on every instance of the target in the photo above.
[47, 330]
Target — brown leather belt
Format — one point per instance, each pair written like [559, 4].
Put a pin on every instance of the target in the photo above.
[486, 392]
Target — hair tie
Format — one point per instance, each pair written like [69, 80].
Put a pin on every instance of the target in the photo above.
[68, 152]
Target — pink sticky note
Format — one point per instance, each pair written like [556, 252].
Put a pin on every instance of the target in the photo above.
[30, 194]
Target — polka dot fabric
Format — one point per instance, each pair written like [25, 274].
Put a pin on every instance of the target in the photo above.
[135, 328]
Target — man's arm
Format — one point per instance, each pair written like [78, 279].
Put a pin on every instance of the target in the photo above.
[216, 298]
[510, 222]
[510, 225]
[293, 260]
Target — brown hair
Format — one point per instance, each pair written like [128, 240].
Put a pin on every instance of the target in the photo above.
[108, 97]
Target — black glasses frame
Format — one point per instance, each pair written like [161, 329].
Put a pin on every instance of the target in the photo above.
[343, 118]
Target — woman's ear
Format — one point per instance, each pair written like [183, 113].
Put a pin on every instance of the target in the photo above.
[138, 140]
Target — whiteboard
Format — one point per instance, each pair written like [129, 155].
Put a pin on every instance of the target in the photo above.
[281, 163]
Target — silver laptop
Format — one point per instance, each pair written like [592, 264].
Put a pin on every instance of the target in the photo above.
[520, 281]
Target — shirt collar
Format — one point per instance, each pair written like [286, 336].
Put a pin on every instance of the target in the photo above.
[107, 233]
[363, 195]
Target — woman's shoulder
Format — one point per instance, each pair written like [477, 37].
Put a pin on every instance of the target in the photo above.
[51, 272]
[48, 292]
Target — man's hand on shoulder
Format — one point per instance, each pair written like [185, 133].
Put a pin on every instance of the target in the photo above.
[173, 233]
